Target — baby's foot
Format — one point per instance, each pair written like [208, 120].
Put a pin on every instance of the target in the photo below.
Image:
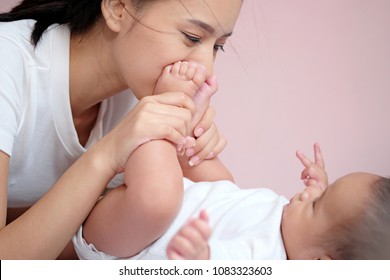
[182, 77]
[189, 78]
[202, 98]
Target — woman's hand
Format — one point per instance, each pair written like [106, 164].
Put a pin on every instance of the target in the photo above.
[209, 142]
[164, 116]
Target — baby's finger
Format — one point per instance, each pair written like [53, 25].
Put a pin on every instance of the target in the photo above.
[319, 159]
[184, 246]
[310, 182]
[304, 160]
[201, 232]
[204, 216]
[173, 255]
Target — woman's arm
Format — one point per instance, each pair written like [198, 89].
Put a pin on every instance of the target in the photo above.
[44, 230]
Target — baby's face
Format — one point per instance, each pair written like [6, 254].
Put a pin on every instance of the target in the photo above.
[313, 212]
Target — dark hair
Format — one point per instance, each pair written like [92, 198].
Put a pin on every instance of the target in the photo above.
[367, 236]
[79, 15]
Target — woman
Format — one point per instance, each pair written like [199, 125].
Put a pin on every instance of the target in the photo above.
[67, 124]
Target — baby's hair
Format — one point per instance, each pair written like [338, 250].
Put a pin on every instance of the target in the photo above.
[376, 227]
[366, 236]
[80, 15]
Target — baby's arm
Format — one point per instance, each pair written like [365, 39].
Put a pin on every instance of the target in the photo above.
[191, 241]
[132, 216]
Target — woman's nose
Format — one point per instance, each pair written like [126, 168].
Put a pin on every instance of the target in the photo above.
[205, 58]
[209, 64]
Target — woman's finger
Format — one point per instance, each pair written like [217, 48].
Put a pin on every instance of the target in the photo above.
[205, 123]
[207, 142]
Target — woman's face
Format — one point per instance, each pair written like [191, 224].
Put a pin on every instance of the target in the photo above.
[169, 31]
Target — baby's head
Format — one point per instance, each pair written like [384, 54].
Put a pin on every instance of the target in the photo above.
[350, 219]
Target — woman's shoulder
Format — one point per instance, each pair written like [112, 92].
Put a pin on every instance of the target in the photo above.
[15, 41]
[17, 34]
[17, 30]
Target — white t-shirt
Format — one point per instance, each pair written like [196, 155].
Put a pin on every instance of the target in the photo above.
[36, 124]
[245, 223]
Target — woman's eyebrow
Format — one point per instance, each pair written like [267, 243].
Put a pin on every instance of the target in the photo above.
[207, 27]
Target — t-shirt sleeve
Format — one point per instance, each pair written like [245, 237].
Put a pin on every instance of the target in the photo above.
[12, 77]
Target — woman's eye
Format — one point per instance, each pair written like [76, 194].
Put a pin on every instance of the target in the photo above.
[192, 39]
[197, 40]
[219, 48]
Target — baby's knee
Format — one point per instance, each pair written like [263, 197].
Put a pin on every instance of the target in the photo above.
[164, 206]
[158, 203]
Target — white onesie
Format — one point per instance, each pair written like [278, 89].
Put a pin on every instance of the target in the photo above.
[245, 223]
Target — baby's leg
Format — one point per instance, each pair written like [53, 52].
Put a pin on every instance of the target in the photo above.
[202, 98]
[132, 216]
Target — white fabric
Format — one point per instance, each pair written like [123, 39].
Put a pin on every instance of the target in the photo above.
[245, 223]
[36, 125]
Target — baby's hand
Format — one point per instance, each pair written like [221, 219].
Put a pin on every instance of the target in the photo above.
[191, 241]
[314, 174]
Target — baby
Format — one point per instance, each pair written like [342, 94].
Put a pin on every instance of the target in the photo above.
[346, 220]
[349, 219]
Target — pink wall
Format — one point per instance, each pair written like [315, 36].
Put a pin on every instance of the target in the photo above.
[6, 4]
[301, 71]
[306, 71]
